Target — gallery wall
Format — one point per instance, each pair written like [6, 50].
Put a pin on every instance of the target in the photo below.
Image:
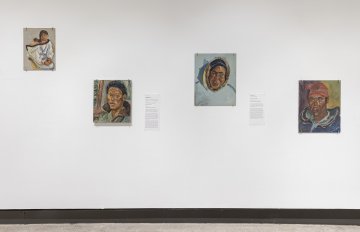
[53, 156]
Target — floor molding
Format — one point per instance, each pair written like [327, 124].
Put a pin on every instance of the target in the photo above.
[182, 215]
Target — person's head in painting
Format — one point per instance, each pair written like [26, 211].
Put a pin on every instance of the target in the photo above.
[317, 117]
[116, 108]
[43, 37]
[318, 98]
[216, 74]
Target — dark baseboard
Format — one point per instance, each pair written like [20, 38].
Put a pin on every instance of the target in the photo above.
[186, 215]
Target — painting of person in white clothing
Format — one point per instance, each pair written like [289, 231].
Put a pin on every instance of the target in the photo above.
[215, 79]
[39, 51]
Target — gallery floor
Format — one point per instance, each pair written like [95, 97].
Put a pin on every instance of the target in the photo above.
[176, 228]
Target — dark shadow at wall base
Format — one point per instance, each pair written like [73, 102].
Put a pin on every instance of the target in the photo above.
[188, 215]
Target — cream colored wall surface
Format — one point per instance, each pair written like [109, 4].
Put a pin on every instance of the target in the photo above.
[52, 155]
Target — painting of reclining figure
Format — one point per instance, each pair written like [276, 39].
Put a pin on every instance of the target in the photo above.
[215, 79]
[39, 49]
[319, 106]
[112, 101]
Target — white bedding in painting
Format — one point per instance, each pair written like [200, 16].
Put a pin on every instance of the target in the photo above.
[40, 53]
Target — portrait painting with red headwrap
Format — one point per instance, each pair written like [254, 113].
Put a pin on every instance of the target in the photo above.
[319, 107]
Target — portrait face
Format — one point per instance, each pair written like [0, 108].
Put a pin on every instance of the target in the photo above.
[317, 104]
[115, 98]
[217, 78]
[44, 37]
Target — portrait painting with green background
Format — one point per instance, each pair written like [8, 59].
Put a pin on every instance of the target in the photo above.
[112, 101]
[319, 106]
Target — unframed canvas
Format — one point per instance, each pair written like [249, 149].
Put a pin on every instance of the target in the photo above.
[112, 102]
[39, 49]
[319, 106]
[215, 79]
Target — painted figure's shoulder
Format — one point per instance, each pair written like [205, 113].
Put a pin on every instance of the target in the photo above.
[231, 87]
[335, 111]
[303, 116]
[104, 117]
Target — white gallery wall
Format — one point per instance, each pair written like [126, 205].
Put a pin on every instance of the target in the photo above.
[52, 155]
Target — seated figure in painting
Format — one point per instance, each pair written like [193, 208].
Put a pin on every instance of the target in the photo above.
[316, 117]
[41, 52]
[213, 88]
[117, 109]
